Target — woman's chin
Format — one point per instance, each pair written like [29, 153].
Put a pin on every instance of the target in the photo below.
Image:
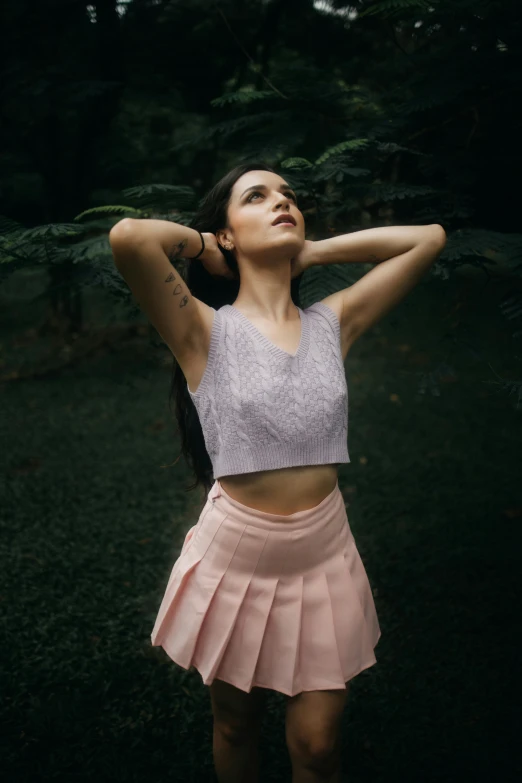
[286, 244]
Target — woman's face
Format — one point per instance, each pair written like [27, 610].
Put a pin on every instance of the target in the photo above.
[256, 200]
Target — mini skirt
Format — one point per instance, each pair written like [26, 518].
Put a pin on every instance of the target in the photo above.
[267, 600]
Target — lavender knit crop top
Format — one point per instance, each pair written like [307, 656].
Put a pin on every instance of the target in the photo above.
[261, 408]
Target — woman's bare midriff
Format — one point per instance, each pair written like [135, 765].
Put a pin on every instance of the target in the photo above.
[284, 491]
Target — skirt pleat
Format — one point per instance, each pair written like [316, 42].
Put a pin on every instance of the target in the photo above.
[278, 661]
[238, 665]
[228, 588]
[255, 601]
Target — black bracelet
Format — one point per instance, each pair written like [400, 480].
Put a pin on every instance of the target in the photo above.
[202, 246]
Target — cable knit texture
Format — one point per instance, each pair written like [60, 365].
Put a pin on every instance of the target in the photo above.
[262, 408]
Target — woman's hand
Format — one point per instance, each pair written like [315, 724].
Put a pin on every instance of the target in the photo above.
[213, 259]
[303, 260]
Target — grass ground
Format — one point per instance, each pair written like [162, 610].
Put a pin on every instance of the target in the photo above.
[92, 522]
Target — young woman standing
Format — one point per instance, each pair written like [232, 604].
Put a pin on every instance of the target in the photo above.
[269, 591]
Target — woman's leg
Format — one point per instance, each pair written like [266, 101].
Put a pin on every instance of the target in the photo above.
[313, 722]
[237, 724]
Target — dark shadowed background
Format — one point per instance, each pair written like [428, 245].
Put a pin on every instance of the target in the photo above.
[377, 113]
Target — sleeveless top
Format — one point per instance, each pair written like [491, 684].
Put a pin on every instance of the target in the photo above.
[262, 408]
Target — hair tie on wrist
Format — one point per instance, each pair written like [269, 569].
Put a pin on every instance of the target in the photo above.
[202, 247]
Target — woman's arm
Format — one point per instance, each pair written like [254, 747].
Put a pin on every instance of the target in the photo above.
[402, 254]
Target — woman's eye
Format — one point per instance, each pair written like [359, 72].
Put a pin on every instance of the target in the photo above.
[257, 193]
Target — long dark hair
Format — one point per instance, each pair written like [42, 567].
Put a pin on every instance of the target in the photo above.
[215, 292]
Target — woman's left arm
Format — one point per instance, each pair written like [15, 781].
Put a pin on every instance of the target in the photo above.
[402, 254]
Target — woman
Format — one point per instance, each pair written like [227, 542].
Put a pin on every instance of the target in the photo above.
[269, 591]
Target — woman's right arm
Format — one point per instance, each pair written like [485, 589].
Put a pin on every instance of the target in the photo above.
[143, 251]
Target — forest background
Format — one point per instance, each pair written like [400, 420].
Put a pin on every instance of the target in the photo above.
[377, 113]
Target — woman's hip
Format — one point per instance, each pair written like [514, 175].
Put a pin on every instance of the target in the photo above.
[229, 534]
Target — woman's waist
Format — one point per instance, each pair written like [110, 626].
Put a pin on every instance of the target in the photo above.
[283, 491]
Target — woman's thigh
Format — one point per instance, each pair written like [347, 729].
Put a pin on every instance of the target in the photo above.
[235, 709]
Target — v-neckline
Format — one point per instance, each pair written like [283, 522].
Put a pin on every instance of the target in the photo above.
[275, 349]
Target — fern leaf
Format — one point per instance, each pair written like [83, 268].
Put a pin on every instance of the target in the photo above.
[338, 149]
[147, 190]
[111, 209]
[152, 195]
[388, 192]
[103, 224]
[354, 171]
[90, 249]
[296, 163]
[230, 127]
[50, 231]
[389, 146]
[493, 246]
[243, 96]
[394, 7]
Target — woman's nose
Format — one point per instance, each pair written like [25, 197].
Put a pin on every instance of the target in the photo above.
[281, 201]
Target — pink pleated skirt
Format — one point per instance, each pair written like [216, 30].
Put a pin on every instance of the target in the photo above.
[268, 600]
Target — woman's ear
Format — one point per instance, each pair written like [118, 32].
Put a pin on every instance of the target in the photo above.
[223, 240]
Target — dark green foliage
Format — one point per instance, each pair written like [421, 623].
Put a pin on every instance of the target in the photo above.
[395, 112]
